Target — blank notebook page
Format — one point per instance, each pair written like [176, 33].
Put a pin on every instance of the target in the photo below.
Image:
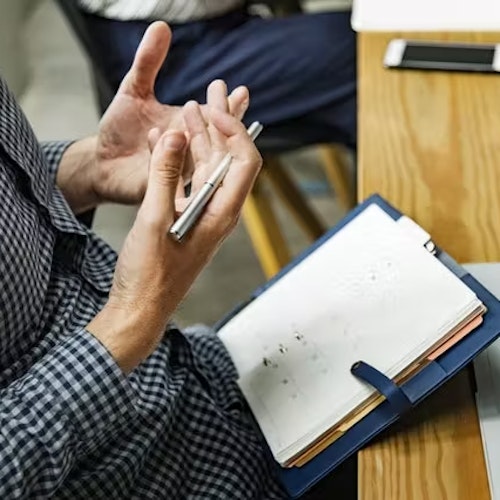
[368, 293]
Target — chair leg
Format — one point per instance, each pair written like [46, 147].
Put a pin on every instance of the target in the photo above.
[261, 222]
[293, 199]
[264, 230]
[337, 172]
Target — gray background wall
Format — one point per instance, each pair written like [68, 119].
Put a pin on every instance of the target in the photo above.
[13, 63]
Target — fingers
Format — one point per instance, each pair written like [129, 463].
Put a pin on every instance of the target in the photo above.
[217, 95]
[239, 100]
[164, 171]
[217, 99]
[197, 129]
[148, 60]
[153, 138]
[212, 136]
[224, 208]
[244, 167]
[238, 142]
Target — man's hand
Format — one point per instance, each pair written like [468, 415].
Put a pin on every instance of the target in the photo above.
[113, 166]
[154, 272]
[122, 151]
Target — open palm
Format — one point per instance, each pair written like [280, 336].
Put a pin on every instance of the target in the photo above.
[123, 151]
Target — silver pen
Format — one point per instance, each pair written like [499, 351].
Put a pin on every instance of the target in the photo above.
[190, 215]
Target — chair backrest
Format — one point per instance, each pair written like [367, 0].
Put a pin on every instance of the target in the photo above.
[77, 21]
[103, 89]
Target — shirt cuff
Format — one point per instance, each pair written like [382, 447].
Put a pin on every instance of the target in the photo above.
[53, 152]
[88, 388]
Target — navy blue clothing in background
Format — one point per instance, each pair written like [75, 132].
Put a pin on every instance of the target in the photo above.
[301, 70]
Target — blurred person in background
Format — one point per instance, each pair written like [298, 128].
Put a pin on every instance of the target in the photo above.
[300, 69]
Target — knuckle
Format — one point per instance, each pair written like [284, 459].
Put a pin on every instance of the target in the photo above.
[252, 157]
[258, 161]
[167, 174]
[218, 228]
[234, 222]
[253, 163]
[228, 221]
[150, 220]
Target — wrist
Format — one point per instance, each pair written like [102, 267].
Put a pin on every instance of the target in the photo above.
[130, 336]
[76, 176]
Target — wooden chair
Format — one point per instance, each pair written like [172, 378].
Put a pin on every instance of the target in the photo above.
[259, 215]
[275, 183]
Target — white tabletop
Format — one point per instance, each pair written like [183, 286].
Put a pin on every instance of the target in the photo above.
[426, 15]
[488, 274]
[487, 370]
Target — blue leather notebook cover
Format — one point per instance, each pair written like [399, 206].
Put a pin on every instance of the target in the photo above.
[297, 480]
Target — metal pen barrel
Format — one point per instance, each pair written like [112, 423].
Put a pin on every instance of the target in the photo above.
[254, 130]
[196, 206]
[198, 203]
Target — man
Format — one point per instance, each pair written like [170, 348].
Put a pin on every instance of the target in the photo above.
[300, 70]
[99, 397]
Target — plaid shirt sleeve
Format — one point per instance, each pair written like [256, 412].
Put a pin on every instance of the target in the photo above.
[53, 152]
[67, 404]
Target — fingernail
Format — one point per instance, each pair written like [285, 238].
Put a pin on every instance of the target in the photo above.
[174, 141]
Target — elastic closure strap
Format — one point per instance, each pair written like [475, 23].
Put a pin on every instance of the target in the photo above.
[392, 392]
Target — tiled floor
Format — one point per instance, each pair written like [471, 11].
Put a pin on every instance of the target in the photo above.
[59, 103]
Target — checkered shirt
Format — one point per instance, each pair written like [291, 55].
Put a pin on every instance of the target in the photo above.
[72, 426]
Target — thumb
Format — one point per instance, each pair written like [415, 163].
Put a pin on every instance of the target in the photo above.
[165, 168]
[153, 137]
[150, 56]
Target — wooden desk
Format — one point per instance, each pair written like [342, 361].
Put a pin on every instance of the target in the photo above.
[429, 142]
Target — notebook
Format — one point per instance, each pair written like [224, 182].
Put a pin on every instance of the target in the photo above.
[426, 15]
[373, 291]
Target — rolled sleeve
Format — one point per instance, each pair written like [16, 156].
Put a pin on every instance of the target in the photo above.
[66, 405]
[53, 152]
